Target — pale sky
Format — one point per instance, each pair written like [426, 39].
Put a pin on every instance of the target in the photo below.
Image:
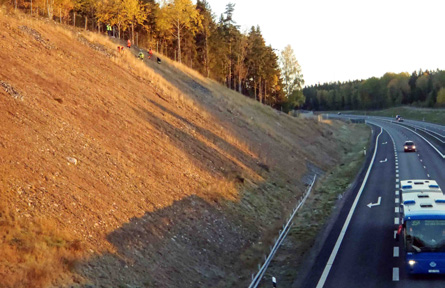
[341, 40]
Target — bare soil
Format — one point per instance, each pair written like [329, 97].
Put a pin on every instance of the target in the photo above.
[113, 177]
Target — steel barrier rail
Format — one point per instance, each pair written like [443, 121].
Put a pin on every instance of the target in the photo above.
[283, 233]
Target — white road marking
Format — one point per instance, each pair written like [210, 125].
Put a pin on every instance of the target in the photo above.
[421, 160]
[396, 209]
[397, 200]
[397, 192]
[397, 186]
[397, 166]
[395, 274]
[334, 252]
[397, 171]
[397, 175]
[375, 204]
[396, 221]
[424, 167]
[397, 180]
[396, 252]
[395, 234]
[428, 175]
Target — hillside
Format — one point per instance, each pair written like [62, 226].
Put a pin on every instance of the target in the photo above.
[118, 173]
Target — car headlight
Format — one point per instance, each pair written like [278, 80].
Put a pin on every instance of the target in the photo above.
[411, 262]
[406, 147]
[414, 147]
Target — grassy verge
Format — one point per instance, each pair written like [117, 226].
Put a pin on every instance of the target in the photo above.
[318, 208]
[34, 250]
[413, 113]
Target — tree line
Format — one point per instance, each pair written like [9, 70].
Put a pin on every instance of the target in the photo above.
[421, 88]
[191, 34]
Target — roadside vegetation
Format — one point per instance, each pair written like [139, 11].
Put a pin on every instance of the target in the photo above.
[190, 34]
[419, 89]
[110, 167]
[309, 223]
[414, 113]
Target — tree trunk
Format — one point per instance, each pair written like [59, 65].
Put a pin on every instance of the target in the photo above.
[179, 43]
[74, 19]
[207, 56]
[132, 32]
[86, 22]
[230, 65]
[265, 91]
[31, 7]
[260, 91]
[254, 88]
[50, 7]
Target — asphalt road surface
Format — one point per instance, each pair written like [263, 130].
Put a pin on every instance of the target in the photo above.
[362, 249]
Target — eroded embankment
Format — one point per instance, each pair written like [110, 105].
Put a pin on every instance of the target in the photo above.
[112, 174]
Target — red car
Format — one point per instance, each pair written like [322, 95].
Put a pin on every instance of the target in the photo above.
[409, 146]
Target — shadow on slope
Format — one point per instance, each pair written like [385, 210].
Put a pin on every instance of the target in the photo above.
[188, 244]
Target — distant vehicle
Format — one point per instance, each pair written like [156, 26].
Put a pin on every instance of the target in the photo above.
[397, 117]
[423, 226]
[409, 146]
[339, 113]
[400, 119]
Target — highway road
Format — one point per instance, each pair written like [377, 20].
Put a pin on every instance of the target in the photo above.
[361, 249]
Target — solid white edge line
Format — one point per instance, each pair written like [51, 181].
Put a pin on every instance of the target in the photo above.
[334, 252]
[437, 150]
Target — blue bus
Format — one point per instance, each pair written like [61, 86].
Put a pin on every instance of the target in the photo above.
[423, 225]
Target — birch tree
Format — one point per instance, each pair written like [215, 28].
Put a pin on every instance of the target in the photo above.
[182, 15]
[291, 71]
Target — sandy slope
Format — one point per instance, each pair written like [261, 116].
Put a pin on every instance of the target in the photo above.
[166, 189]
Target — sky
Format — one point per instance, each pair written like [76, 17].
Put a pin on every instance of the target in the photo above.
[345, 40]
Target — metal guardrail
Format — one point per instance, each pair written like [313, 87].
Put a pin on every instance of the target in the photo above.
[256, 279]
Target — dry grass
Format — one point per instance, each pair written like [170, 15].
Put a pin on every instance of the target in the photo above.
[148, 147]
[34, 250]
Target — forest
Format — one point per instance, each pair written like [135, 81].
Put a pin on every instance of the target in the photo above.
[216, 47]
[421, 89]
[191, 34]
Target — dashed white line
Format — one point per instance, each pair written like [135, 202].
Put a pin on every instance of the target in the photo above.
[395, 274]
[397, 175]
[397, 192]
[395, 234]
[396, 209]
[428, 175]
[424, 167]
[397, 171]
[397, 180]
[397, 200]
[396, 252]
[396, 221]
[397, 186]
